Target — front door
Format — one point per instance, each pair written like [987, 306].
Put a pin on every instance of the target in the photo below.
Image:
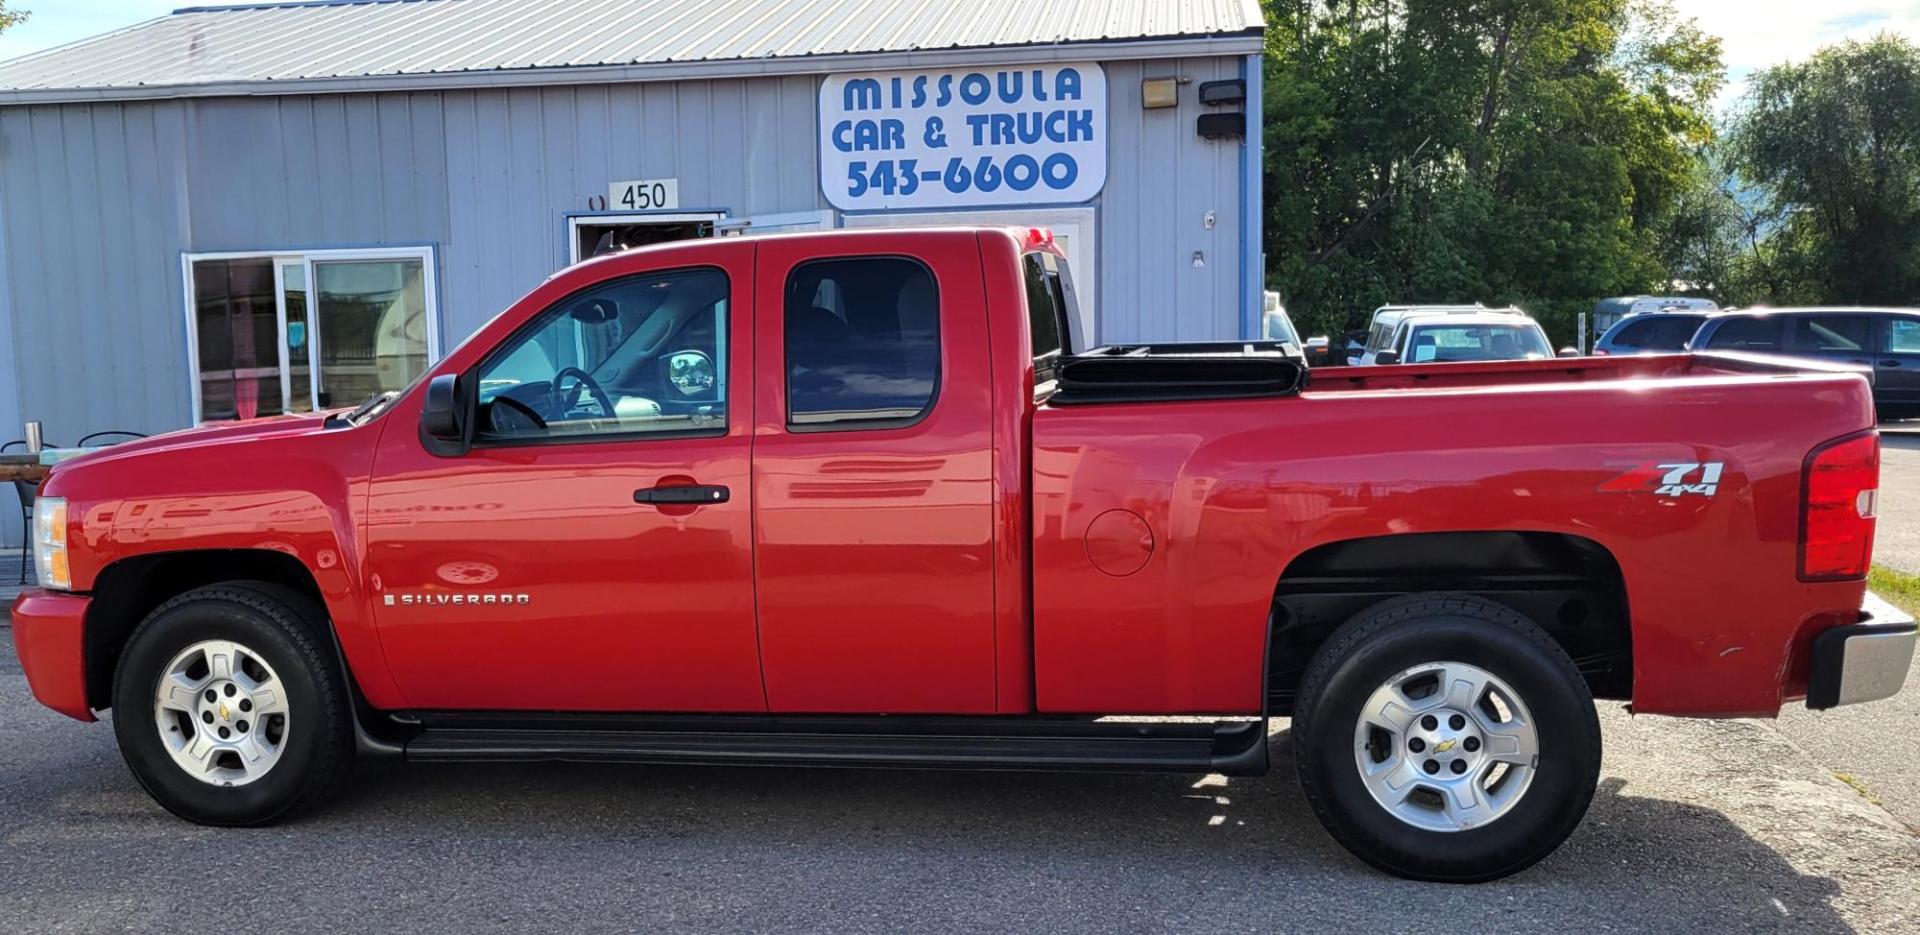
[874, 512]
[560, 564]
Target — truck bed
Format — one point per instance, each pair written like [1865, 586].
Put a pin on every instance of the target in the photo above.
[1566, 370]
[1162, 529]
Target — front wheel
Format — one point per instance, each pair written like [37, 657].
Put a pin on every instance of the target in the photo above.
[229, 707]
[1446, 737]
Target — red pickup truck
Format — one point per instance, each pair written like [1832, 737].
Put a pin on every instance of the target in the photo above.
[866, 499]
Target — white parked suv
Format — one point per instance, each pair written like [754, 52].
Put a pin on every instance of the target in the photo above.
[1449, 335]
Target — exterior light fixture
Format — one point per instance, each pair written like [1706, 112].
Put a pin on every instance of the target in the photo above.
[1159, 92]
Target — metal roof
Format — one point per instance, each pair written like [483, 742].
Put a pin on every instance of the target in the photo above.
[320, 45]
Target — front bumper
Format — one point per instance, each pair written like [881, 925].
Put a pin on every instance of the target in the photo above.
[1864, 661]
[49, 632]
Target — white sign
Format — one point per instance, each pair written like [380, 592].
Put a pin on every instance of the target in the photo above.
[644, 195]
[965, 137]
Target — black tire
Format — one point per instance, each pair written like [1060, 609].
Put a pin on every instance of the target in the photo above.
[1402, 633]
[289, 632]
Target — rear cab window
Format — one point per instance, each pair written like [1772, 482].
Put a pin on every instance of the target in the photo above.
[1046, 313]
[862, 343]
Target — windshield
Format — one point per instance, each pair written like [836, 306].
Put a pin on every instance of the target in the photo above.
[1441, 344]
[1279, 327]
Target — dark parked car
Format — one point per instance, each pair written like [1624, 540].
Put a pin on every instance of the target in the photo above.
[1651, 332]
[1886, 339]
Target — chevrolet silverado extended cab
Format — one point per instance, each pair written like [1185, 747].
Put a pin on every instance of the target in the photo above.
[866, 499]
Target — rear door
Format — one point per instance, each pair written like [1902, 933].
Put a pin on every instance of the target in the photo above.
[1896, 368]
[873, 495]
[1841, 338]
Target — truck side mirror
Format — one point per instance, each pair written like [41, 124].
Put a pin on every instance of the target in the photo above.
[1387, 357]
[1569, 352]
[441, 420]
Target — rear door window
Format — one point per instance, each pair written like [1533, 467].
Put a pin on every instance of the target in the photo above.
[1659, 333]
[1746, 334]
[1831, 334]
[863, 342]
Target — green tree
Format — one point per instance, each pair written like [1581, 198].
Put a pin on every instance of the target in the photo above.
[1477, 150]
[1832, 148]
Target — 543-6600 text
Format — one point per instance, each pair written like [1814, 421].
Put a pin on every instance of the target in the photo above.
[984, 174]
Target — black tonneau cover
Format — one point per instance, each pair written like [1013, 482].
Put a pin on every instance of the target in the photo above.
[1151, 373]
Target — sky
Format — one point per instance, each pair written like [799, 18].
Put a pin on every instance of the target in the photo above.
[1756, 33]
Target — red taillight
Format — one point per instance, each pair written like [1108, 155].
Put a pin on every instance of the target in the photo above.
[1836, 529]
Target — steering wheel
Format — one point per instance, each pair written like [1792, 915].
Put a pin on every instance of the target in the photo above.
[562, 403]
[509, 416]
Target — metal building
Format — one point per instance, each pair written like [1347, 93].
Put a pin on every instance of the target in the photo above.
[236, 211]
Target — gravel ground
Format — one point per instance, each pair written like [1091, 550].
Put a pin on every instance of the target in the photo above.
[1896, 541]
[1698, 827]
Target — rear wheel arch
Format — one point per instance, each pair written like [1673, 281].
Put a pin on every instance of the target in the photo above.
[1571, 586]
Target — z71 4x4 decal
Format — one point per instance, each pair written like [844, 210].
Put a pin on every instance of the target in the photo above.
[1675, 479]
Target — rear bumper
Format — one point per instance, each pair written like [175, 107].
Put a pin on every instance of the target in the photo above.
[49, 629]
[1864, 661]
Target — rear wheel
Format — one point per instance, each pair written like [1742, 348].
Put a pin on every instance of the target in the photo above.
[1446, 737]
[229, 707]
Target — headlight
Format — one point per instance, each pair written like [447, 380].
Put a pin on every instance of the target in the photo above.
[50, 543]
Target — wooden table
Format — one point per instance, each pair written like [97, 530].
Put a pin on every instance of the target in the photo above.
[24, 467]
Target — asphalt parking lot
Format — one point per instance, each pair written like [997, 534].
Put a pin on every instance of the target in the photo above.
[1698, 826]
[1897, 535]
[1809, 823]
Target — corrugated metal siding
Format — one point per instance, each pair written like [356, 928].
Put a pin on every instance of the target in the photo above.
[98, 202]
[94, 231]
[1162, 179]
[422, 37]
[518, 159]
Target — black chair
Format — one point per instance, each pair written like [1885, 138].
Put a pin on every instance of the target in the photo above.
[26, 491]
[89, 440]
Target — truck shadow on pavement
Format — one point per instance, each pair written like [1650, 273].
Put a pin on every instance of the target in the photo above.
[1142, 851]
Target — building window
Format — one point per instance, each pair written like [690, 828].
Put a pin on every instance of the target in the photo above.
[276, 333]
[863, 342]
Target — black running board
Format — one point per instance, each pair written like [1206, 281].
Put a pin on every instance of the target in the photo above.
[1231, 747]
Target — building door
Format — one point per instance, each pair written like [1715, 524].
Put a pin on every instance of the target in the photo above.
[288, 333]
[589, 236]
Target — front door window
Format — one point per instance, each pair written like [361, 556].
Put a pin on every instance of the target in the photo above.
[301, 332]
